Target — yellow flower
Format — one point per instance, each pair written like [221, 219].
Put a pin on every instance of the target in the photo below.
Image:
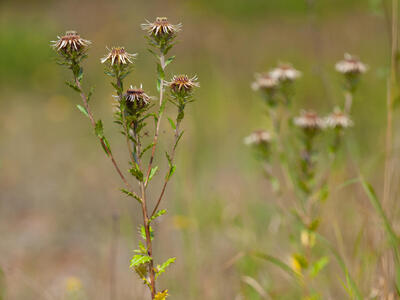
[307, 238]
[161, 295]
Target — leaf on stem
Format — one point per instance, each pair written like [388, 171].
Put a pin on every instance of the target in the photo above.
[130, 194]
[161, 269]
[153, 172]
[136, 172]
[139, 259]
[83, 110]
[158, 214]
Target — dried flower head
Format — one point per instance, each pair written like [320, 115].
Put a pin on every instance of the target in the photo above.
[161, 27]
[182, 83]
[309, 120]
[338, 119]
[136, 96]
[258, 137]
[351, 65]
[118, 55]
[285, 72]
[70, 41]
[264, 82]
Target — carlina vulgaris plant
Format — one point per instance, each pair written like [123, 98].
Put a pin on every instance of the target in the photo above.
[133, 108]
[292, 153]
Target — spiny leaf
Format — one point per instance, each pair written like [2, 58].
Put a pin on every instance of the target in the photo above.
[143, 232]
[130, 194]
[135, 171]
[73, 86]
[161, 269]
[161, 295]
[138, 260]
[158, 214]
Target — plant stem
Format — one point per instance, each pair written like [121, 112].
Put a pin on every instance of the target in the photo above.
[155, 141]
[177, 133]
[146, 222]
[348, 102]
[103, 143]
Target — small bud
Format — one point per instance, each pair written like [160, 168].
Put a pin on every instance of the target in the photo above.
[118, 55]
[285, 72]
[309, 120]
[258, 137]
[351, 65]
[338, 119]
[71, 41]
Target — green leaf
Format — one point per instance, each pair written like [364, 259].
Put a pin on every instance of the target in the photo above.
[130, 194]
[158, 214]
[171, 172]
[135, 171]
[153, 172]
[143, 232]
[158, 84]
[146, 149]
[160, 71]
[80, 74]
[318, 266]
[98, 129]
[73, 86]
[138, 260]
[161, 269]
[168, 61]
[105, 145]
[172, 123]
[90, 94]
[83, 110]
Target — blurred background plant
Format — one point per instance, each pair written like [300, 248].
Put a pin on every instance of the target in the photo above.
[49, 225]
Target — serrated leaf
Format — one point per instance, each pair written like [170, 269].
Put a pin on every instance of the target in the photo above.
[143, 232]
[158, 214]
[83, 110]
[73, 86]
[161, 269]
[130, 194]
[153, 172]
[135, 171]
[138, 260]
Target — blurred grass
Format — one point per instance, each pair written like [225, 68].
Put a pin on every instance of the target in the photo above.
[57, 192]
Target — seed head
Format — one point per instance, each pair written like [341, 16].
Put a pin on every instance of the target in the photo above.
[161, 27]
[309, 120]
[264, 82]
[258, 137]
[70, 41]
[351, 65]
[338, 119]
[136, 96]
[182, 83]
[285, 72]
[118, 55]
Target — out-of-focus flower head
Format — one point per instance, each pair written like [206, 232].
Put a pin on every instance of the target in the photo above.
[285, 72]
[309, 120]
[338, 119]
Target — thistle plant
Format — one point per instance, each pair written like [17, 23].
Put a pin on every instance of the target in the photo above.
[134, 108]
[297, 153]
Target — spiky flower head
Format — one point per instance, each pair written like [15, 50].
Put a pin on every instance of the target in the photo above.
[285, 72]
[309, 120]
[264, 82]
[69, 42]
[351, 65]
[118, 55]
[136, 97]
[338, 119]
[182, 84]
[258, 137]
[161, 27]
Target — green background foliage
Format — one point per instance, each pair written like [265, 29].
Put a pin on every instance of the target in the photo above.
[58, 192]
